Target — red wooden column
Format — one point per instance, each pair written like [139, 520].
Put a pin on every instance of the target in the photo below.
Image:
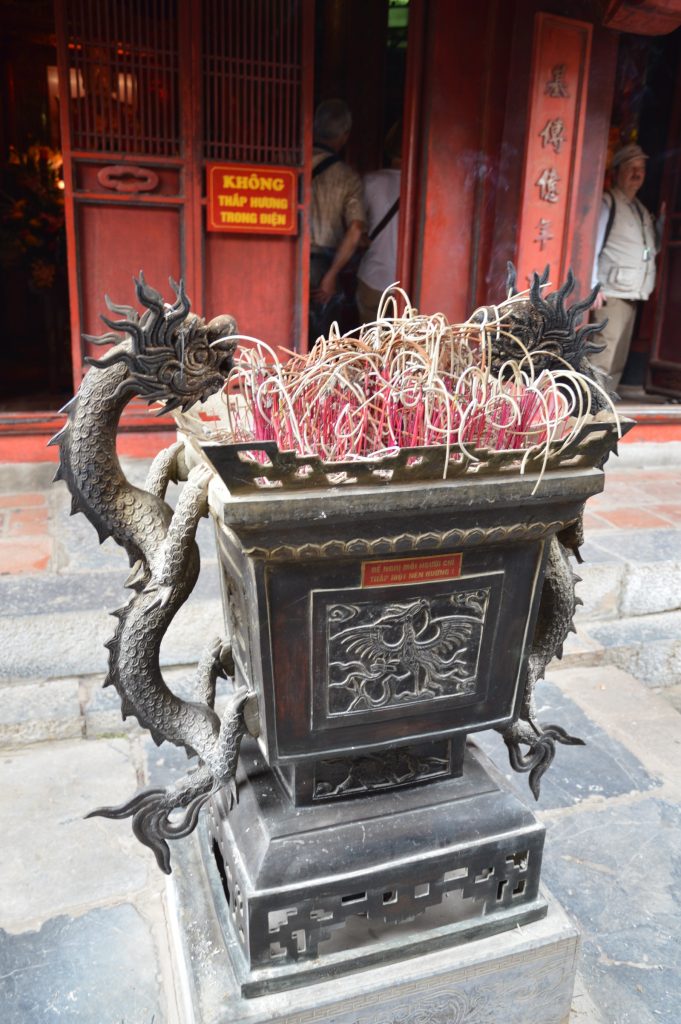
[553, 148]
[451, 119]
[411, 145]
[454, 109]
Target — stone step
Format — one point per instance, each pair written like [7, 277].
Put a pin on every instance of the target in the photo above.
[55, 623]
[78, 707]
[628, 573]
[646, 646]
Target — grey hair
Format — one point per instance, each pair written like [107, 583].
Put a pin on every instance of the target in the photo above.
[332, 118]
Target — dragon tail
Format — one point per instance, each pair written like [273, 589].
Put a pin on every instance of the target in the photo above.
[151, 812]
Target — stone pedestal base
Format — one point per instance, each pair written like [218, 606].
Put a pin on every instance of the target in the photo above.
[315, 891]
[522, 976]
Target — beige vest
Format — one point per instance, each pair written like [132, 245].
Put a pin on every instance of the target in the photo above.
[622, 270]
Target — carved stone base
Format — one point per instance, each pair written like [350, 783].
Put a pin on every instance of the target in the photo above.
[522, 976]
[310, 892]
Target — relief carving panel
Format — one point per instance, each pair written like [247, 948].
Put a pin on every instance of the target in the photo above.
[385, 654]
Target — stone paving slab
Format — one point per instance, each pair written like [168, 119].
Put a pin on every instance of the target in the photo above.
[617, 868]
[59, 870]
[615, 863]
[613, 847]
[34, 712]
[602, 768]
[600, 589]
[648, 646]
[53, 860]
[99, 590]
[77, 540]
[100, 968]
[639, 545]
[72, 643]
[102, 706]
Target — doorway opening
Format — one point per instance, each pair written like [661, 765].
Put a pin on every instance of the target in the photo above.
[361, 58]
[646, 84]
[36, 355]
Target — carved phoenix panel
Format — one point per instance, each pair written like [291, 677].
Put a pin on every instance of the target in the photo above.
[382, 654]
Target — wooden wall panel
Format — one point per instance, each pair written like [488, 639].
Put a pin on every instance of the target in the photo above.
[561, 56]
[462, 86]
[114, 242]
[589, 172]
[452, 118]
[253, 279]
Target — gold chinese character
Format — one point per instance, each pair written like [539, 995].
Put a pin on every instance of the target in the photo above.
[543, 233]
[548, 182]
[553, 134]
[557, 86]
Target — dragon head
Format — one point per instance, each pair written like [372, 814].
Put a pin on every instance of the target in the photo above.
[548, 330]
[172, 355]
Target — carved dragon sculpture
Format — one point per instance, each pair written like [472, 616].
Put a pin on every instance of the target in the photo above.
[550, 332]
[175, 357]
[170, 355]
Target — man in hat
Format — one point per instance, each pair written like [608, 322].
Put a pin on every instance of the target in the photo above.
[626, 244]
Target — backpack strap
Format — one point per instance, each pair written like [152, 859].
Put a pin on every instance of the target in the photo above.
[385, 220]
[611, 220]
[324, 164]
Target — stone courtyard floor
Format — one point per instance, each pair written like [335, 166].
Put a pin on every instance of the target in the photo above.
[86, 929]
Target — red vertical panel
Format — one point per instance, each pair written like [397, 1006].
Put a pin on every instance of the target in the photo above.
[124, 58]
[451, 114]
[69, 203]
[112, 255]
[253, 279]
[560, 66]
[307, 116]
[411, 144]
[258, 71]
[594, 153]
[190, 114]
[496, 56]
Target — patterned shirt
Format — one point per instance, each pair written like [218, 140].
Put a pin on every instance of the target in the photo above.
[336, 202]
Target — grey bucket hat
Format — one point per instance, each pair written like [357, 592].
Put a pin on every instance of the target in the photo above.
[627, 153]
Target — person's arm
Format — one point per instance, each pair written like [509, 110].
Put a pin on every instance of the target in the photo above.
[600, 235]
[349, 242]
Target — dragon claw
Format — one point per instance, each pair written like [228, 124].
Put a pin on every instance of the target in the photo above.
[199, 477]
[232, 793]
[151, 809]
[226, 661]
[541, 750]
[163, 596]
[138, 574]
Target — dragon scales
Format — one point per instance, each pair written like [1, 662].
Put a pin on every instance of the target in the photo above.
[173, 356]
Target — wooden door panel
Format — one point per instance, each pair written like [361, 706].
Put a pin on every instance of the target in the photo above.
[115, 241]
[151, 93]
[139, 178]
[254, 279]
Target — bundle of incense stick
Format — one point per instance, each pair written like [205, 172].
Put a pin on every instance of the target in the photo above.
[403, 381]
